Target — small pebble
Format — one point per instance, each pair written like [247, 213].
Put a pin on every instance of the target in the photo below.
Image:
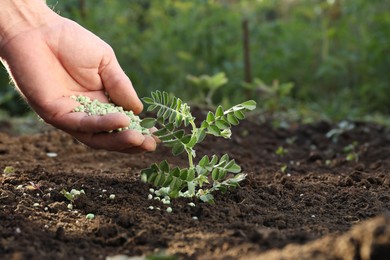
[51, 155]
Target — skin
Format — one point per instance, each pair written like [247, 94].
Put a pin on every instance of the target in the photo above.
[51, 58]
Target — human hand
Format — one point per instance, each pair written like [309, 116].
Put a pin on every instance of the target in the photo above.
[59, 58]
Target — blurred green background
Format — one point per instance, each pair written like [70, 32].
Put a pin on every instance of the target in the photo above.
[307, 58]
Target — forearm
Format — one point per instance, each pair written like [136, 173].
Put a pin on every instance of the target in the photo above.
[17, 16]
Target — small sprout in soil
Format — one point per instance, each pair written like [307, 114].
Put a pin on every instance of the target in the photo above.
[351, 153]
[291, 140]
[178, 131]
[281, 151]
[150, 196]
[73, 194]
[207, 85]
[36, 205]
[169, 210]
[283, 168]
[195, 218]
[70, 206]
[191, 204]
[95, 107]
[8, 170]
[33, 186]
[151, 207]
[112, 196]
[90, 216]
[342, 127]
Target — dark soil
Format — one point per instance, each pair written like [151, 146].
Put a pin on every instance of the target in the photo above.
[300, 201]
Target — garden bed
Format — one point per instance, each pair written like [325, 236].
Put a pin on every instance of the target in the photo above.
[301, 199]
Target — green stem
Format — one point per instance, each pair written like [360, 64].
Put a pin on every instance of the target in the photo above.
[193, 125]
[190, 160]
[189, 152]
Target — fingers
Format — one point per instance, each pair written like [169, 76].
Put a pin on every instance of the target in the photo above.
[149, 145]
[92, 130]
[119, 86]
[81, 122]
[129, 141]
[106, 123]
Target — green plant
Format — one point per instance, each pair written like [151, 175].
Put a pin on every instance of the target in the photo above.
[281, 151]
[341, 128]
[207, 85]
[275, 97]
[8, 170]
[179, 132]
[351, 153]
[73, 194]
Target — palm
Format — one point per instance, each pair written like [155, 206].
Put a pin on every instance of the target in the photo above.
[64, 59]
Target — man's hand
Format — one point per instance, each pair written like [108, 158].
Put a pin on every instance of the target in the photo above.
[55, 58]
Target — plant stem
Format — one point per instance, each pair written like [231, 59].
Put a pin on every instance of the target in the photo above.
[190, 160]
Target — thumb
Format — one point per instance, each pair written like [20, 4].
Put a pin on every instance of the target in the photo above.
[119, 87]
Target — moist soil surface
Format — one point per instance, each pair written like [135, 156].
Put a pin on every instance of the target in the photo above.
[317, 198]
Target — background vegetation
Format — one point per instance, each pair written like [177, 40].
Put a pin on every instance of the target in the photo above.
[323, 57]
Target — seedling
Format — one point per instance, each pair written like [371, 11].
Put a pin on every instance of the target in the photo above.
[73, 194]
[342, 127]
[177, 130]
[208, 85]
[33, 186]
[351, 153]
[281, 151]
[276, 97]
[8, 171]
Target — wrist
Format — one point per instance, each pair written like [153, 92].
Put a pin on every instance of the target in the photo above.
[17, 16]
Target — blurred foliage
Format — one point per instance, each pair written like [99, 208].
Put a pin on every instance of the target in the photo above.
[331, 54]
[11, 103]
